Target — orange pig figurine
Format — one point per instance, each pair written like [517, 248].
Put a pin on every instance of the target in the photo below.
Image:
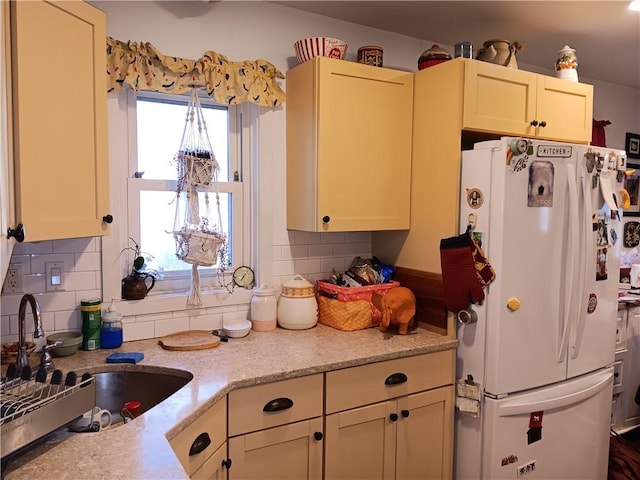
[398, 307]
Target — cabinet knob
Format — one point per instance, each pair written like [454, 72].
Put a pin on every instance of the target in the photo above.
[201, 442]
[405, 413]
[543, 124]
[393, 417]
[226, 463]
[318, 435]
[326, 219]
[17, 233]
[107, 218]
[534, 123]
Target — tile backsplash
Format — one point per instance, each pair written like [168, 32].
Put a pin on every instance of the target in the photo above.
[312, 255]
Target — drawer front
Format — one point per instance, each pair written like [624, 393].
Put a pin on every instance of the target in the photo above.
[273, 404]
[366, 384]
[212, 423]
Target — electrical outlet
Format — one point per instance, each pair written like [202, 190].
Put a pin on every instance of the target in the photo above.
[13, 281]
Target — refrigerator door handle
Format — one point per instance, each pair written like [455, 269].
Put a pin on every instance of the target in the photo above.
[572, 248]
[601, 381]
[576, 333]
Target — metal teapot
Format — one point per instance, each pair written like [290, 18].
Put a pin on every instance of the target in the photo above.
[500, 52]
[136, 287]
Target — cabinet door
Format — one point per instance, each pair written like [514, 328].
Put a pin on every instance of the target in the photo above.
[287, 452]
[425, 435]
[567, 109]
[498, 99]
[361, 443]
[6, 158]
[348, 146]
[60, 119]
[214, 468]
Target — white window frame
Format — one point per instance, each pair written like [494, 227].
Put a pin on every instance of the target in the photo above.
[125, 207]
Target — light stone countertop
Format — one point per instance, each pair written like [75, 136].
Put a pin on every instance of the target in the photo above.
[140, 449]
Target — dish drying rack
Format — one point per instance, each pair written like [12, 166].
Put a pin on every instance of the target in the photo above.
[31, 408]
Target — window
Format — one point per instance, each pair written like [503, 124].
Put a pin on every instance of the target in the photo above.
[155, 128]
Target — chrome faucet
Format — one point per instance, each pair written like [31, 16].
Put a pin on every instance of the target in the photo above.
[22, 360]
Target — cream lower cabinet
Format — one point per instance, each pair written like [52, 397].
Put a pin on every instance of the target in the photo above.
[59, 101]
[201, 447]
[348, 147]
[276, 430]
[407, 436]
[399, 439]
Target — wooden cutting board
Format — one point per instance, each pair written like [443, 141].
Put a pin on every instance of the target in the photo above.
[189, 340]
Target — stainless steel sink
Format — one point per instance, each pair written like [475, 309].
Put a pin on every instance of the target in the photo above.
[115, 388]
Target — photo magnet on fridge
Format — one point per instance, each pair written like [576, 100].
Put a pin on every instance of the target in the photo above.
[541, 176]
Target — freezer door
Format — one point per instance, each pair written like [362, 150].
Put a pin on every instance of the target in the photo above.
[558, 432]
[528, 309]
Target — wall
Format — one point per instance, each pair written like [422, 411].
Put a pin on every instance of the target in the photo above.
[239, 30]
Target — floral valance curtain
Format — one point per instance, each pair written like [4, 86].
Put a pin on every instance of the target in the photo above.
[143, 67]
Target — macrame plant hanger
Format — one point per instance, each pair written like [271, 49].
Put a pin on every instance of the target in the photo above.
[199, 240]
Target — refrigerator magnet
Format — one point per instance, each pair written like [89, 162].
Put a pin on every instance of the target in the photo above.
[475, 198]
[592, 303]
[541, 176]
[601, 264]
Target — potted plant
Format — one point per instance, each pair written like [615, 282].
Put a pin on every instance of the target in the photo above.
[136, 285]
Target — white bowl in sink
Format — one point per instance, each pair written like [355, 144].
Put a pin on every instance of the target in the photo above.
[237, 328]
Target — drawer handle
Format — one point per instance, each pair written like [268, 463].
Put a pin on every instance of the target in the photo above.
[226, 463]
[395, 379]
[318, 436]
[405, 413]
[393, 417]
[201, 442]
[277, 405]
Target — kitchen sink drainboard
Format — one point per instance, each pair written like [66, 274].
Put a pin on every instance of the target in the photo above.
[30, 408]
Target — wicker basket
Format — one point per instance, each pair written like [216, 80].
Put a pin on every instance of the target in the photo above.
[349, 308]
[197, 248]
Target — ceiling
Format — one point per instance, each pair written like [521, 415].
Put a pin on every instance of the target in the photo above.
[605, 34]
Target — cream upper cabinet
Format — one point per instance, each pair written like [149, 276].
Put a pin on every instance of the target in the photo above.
[60, 119]
[6, 165]
[348, 147]
[514, 102]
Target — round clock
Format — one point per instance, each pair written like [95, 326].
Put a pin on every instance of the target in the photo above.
[243, 277]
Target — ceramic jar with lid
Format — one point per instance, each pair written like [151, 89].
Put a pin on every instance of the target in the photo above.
[567, 64]
[263, 309]
[433, 56]
[297, 305]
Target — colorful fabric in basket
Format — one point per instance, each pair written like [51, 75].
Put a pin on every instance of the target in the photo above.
[349, 308]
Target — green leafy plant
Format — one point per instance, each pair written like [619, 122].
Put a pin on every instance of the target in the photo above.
[139, 265]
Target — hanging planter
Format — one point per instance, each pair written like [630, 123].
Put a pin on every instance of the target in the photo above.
[199, 241]
[197, 247]
[195, 167]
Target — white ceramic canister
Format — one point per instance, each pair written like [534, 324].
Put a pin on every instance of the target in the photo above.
[297, 305]
[263, 309]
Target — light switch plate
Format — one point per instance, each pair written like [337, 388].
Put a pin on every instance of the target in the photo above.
[54, 276]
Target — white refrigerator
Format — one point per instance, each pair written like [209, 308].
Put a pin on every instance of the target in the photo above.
[539, 348]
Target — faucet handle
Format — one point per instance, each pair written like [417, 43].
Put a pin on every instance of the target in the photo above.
[46, 361]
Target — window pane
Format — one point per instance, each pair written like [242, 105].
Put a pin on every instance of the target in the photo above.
[157, 224]
[160, 128]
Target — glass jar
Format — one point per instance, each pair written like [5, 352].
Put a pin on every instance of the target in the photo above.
[111, 329]
[567, 64]
[263, 309]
